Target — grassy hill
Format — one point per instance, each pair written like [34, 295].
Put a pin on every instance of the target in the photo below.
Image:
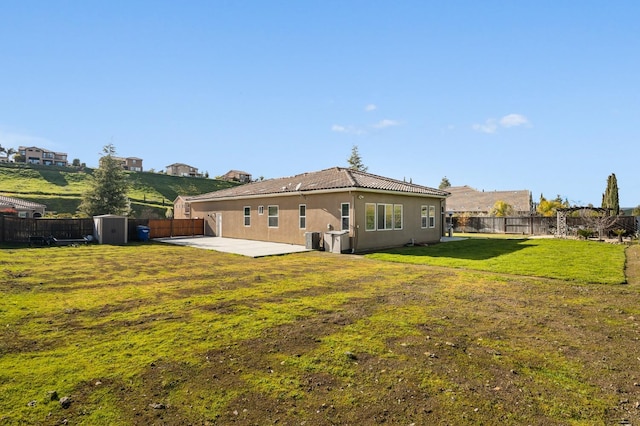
[61, 188]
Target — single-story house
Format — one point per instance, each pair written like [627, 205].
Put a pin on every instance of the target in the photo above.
[465, 200]
[24, 208]
[363, 210]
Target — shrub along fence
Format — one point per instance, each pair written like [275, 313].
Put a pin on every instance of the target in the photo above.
[15, 229]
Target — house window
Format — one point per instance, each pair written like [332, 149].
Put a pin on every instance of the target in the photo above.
[187, 209]
[397, 216]
[428, 216]
[273, 216]
[370, 216]
[260, 210]
[247, 216]
[385, 216]
[344, 216]
[302, 210]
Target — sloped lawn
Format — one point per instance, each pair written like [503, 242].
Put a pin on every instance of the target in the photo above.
[572, 260]
[153, 334]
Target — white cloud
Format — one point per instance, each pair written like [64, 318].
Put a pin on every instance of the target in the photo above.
[370, 107]
[509, 120]
[352, 130]
[513, 120]
[489, 126]
[386, 123]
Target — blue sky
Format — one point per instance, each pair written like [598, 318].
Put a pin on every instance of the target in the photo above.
[497, 95]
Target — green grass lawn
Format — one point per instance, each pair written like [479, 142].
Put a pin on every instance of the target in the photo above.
[572, 260]
[158, 334]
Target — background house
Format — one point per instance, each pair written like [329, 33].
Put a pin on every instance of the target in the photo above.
[181, 169]
[22, 207]
[133, 164]
[465, 200]
[237, 176]
[35, 155]
[370, 211]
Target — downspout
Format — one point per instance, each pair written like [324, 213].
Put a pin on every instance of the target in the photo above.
[355, 224]
[443, 219]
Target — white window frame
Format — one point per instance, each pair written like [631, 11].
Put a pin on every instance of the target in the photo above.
[367, 206]
[302, 218]
[247, 217]
[384, 216]
[432, 216]
[344, 217]
[390, 215]
[396, 225]
[273, 217]
[424, 216]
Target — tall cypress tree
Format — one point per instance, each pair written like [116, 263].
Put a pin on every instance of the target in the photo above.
[610, 198]
[108, 191]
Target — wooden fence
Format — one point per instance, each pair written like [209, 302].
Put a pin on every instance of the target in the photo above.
[159, 228]
[15, 229]
[531, 225]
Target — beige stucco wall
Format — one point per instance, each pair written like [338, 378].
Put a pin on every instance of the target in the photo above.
[323, 214]
[411, 230]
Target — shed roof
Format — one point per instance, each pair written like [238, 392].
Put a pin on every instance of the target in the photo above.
[335, 178]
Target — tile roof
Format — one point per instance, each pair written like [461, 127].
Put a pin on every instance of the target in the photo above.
[18, 203]
[328, 179]
[467, 199]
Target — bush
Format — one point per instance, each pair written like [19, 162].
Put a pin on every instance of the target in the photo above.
[585, 233]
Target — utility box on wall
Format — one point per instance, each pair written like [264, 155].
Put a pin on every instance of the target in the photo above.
[110, 229]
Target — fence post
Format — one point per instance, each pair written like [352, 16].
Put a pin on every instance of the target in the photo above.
[530, 225]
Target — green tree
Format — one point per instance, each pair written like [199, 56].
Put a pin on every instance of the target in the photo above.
[610, 198]
[444, 183]
[8, 152]
[108, 188]
[636, 211]
[549, 208]
[501, 209]
[355, 161]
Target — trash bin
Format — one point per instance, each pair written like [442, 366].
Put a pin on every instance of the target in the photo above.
[143, 233]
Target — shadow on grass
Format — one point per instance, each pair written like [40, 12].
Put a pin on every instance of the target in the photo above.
[54, 177]
[472, 249]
